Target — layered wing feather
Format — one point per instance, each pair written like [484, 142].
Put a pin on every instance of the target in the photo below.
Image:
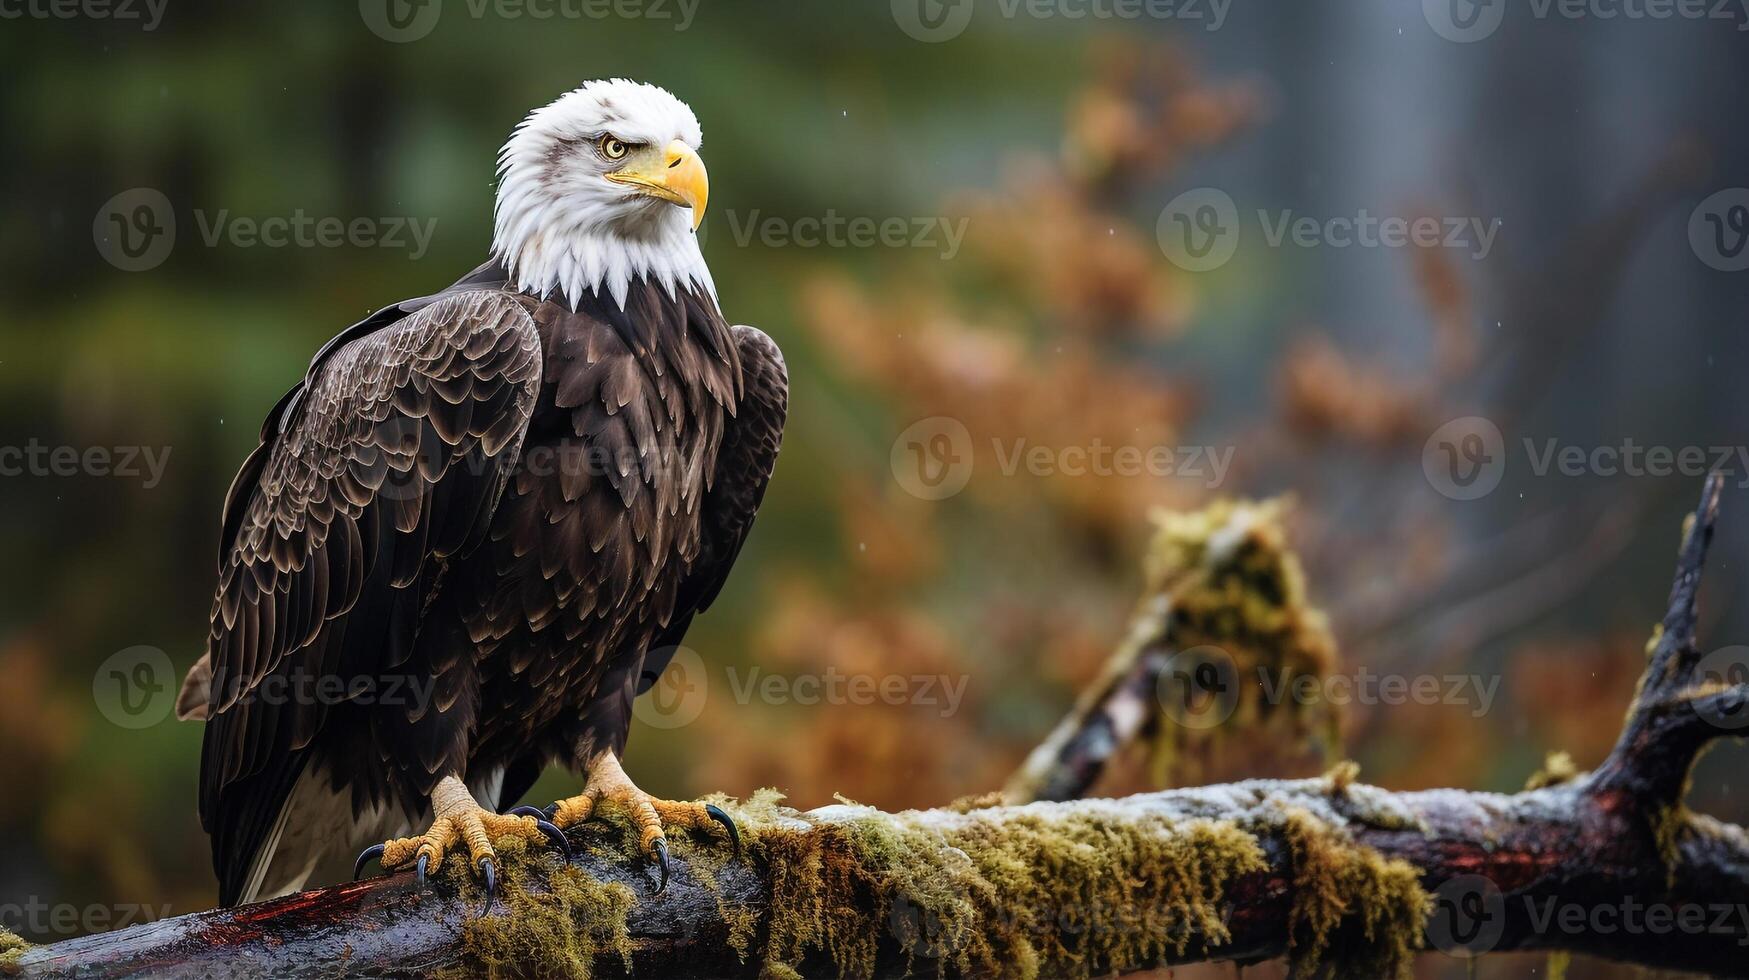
[751, 440]
[390, 463]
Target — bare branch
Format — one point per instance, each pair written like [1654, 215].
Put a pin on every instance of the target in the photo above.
[1673, 716]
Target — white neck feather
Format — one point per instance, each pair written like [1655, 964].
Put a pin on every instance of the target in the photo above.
[549, 247]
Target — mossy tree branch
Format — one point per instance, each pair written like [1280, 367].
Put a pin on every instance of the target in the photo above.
[1332, 875]
[1342, 879]
[1225, 595]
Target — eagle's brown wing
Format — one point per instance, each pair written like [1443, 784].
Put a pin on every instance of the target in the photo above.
[391, 460]
[737, 487]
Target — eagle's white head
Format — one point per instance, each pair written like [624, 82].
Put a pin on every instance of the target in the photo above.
[600, 188]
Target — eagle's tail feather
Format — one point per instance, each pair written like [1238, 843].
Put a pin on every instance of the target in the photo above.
[316, 826]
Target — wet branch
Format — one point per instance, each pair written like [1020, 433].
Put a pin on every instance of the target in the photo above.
[1326, 872]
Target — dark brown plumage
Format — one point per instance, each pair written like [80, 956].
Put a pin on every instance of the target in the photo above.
[490, 517]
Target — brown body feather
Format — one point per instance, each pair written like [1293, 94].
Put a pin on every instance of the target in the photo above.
[471, 524]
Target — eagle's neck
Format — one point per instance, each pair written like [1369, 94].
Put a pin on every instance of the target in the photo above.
[552, 251]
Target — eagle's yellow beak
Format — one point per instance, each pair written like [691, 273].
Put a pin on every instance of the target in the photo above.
[675, 175]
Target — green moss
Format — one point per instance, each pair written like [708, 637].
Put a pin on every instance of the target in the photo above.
[1355, 913]
[963, 893]
[556, 929]
[1231, 582]
[1049, 890]
[1123, 887]
[1668, 825]
[11, 949]
[1342, 776]
[1557, 768]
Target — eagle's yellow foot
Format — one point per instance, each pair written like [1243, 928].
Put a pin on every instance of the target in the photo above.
[460, 821]
[651, 817]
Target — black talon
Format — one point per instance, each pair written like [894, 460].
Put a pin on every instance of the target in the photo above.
[370, 854]
[662, 860]
[490, 870]
[546, 826]
[419, 872]
[547, 812]
[716, 813]
[557, 836]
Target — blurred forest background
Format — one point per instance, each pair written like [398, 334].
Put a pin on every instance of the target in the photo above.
[1055, 144]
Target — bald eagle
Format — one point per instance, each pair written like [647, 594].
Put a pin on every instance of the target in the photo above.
[480, 526]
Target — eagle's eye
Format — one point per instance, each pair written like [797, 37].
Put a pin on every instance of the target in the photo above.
[614, 148]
